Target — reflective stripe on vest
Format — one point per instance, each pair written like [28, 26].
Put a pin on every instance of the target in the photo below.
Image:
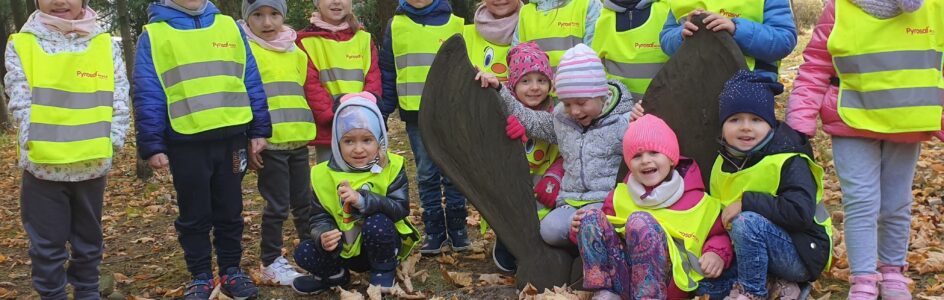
[324, 182]
[342, 65]
[413, 55]
[201, 72]
[283, 75]
[72, 95]
[555, 31]
[764, 177]
[486, 56]
[541, 155]
[634, 56]
[889, 79]
[746, 9]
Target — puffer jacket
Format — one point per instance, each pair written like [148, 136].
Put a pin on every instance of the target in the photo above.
[815, 97]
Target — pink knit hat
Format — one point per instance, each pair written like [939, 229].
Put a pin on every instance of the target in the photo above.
[580, 74]
[650, 133]
[526, 58]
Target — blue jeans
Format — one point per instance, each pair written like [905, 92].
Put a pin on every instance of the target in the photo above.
[433, 186]
[763, 248]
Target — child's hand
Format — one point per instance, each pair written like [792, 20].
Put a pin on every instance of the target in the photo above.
[575, 222]
[515, 130]
[487, 79]
[711, 264]
[716, 22]
[637, 112]
[348, 195]
[689, 28]
[330, 240]
[729, 213]
[255, 162]
[158, 161]
[547, 190]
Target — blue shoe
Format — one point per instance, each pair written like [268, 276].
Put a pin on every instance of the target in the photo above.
[313, 285]
[460, 240]
[200, 288]
[385, 280]
[503, 259]
[433, 243]
[236, 285]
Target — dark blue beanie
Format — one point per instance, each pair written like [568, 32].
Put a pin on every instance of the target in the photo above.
[747, 92]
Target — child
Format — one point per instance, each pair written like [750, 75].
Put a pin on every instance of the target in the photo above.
[69, 98]
[358, 219]
[875, 140]
[198, 102]
[529, 84]
[766, 34]
[666, 220]
[413, 37]
[557, 25]
[766, 176]
[627, 39]
[489, 39]
[283, 165]
[343, 60]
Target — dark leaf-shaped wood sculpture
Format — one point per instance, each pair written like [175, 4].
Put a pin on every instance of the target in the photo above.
[685, 92]
[463, 128]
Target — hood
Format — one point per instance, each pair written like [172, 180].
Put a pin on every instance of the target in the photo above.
[43, 33]
[161, 13]
[442, 8]
[691, 174]
[620, 103]
[785, 140]
[336, 162]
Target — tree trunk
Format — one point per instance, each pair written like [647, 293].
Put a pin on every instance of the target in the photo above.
[385, 10]
[19, 13]
[5, 123]
[230, 7]
[4, 33]
[127, 46]
[461, 9]
[30, 6]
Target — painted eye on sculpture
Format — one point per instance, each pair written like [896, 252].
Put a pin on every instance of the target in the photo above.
[489, 55]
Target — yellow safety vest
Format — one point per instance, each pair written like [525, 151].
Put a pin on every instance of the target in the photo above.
[71, 110]
[414, 49]
[764, 177]
[634, 56]
[686, 232]
[342, 65]
[554, 31]
[486, 56]
[325, 181]
[283, 77]
[889, 70]
[746, 9]
[201, 71]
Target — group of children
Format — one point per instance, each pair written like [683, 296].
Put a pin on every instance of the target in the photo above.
[213, 97]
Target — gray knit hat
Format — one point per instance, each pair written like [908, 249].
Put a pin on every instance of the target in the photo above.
[251, 5]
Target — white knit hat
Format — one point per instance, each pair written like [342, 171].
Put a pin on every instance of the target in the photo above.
[580, 74]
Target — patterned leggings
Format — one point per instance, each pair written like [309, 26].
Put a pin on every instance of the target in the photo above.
[638, 269]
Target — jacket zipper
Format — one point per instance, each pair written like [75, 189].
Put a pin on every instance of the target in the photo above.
[196, 22]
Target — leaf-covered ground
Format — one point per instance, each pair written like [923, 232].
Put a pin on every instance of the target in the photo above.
[143, 260]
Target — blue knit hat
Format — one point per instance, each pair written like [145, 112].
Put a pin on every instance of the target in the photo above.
[747, 92]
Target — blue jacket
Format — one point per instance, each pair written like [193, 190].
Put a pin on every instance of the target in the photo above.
[152, 123]
[767, 43]
[388, 70]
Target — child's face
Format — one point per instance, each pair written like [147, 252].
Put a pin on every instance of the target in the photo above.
[501, 8]
[743, 131]
[191, 4]
[583, 110]
[418, 4]
[63, 9]
[265, 22]
[532, 89]
[650, 168]
[358, 147]
[334, 11]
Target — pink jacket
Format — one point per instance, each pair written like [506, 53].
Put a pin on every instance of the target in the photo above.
[813, 95]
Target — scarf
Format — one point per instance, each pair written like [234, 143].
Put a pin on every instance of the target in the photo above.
[662, 196]
[321, 23]
[83, 26]
[198, 12]
[885, 9]
[282, 43]
[405, 6]
[496, 31]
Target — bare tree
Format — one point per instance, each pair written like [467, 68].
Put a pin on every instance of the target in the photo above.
[19, 13]
[385, 10]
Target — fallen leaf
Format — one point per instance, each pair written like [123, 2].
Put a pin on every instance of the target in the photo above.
[7, 294]
[374, 292]
[121, 278]
[460, 279]
[349, 295]
[495, 279]
[144, 240]
[446, 259]
[175, 293]
[528, 291]
[421, 275]
[133, 297]
[826, 296]
[480, 256]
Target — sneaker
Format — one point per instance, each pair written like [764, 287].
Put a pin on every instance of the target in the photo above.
[433, 243]
[199, 288]
[863, 287]
[313, 285]
[783, 290]
[459, 240]
[280, 272]
[235, 284]
[894, 284]
[503, 259]
[385, 280]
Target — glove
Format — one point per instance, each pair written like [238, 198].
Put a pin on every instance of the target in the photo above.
[547, 190]
[515, 130]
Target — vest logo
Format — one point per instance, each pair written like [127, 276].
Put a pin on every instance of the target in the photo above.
[354, 56]
[689, 235]
[224, 45]
[647, 45]
[919, 31]
[568, 24]
[728, 14]
[94, 75]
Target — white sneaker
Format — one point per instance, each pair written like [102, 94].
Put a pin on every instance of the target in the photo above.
[280, 272]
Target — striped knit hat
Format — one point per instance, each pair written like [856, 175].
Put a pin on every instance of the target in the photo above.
[580, 74]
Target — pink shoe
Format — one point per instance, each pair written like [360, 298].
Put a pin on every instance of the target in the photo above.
[894, 284]
[863, 287]
[738, 293]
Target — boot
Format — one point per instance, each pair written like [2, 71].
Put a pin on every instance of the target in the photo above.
[435, 233]
[894, 284]
[458, 233]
